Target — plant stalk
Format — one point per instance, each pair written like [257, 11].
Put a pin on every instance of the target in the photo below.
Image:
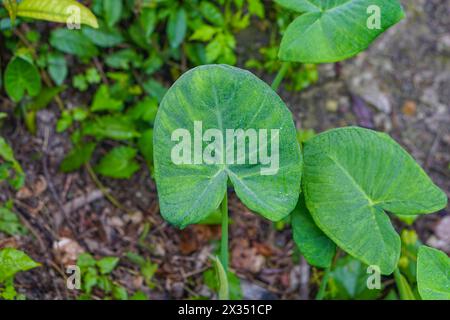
[280, 75]
[323, 284]
[224, 239]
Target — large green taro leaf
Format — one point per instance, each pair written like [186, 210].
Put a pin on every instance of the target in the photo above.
[224, 97]
[351, 175]
[433, 274]
[334, 30]
[315, 246]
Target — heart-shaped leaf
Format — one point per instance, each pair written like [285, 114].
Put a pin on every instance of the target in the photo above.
[351, 175]
[314, 245]
[218, 100]
[329, 31]
[64, 11]
[433, 274]
[21, 76]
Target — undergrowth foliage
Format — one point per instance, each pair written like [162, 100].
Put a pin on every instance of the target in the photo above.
[336, 189]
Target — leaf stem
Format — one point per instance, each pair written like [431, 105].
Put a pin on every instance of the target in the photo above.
[224, 239]
[323, 284]
[280, 75]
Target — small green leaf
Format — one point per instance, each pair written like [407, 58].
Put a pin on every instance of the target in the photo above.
[177, 27]
[113, 127]
[148, 20]
[204, 33]
[13, 261]
[107, 264]
[57, 68]
[43, 99]
[234, 283]
[330, 31]
[404, 289]
[10, 222]
[79, 156]
[144, 110]
[145, 144]
[7, 154]
[119, 163]
[57, 11]
[73, 42]
[104, 102]
[433, 274]
[222, 279]
[105, 37]
[211, 13]
[64, 122]
[85, 260]
[119, 293]
[21, 76]
[351, 175]
[348, 280]
[112, 11]
[123, 59]
[314, 245]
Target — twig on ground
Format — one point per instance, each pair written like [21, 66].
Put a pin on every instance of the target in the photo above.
[83, 200]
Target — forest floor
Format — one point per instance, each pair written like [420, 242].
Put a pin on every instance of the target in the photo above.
[401, 85]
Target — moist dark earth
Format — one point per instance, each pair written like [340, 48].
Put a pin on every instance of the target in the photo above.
[401, 85]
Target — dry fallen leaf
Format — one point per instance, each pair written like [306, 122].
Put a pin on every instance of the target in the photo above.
[68, 250]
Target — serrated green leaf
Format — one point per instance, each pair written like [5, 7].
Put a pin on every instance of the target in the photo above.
[351, 175]
[330, 31]
[13, 261]
[314, 245]
[63, 11]
[104, 102]
[107, 264]
[119, 163]
[224, 97]
[21, 76]
[77, 157]
[433, 274]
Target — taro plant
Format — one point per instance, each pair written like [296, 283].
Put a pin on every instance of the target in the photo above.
[331, 31]
[347, 179]
[204, 105]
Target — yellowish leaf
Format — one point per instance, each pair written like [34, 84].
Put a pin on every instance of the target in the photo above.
[64, 11]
